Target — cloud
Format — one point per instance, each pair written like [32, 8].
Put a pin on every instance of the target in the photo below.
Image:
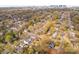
[38, 2]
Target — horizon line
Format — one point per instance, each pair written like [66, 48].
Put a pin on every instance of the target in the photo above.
[35, 5]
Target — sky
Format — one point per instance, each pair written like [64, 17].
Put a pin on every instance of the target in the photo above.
[15, 3]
